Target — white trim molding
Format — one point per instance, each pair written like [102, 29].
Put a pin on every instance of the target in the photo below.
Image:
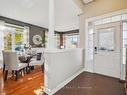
[107, 15]
[51, 92]
[64, 28]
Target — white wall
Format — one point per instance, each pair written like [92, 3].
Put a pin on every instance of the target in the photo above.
[60, 65]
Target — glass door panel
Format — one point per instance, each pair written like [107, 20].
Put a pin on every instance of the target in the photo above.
[124, 42]
[7, 41]
[13, 39]
[19, 41]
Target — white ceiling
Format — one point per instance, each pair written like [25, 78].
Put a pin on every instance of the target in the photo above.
[66, 13]
[36, 12]
[31, 11]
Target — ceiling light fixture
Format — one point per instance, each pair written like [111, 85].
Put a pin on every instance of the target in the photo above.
[87, 1]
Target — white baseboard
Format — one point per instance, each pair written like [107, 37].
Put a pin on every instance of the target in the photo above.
[46, 90]
[91, 71]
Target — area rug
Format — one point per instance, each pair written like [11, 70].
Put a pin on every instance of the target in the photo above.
[39, 91]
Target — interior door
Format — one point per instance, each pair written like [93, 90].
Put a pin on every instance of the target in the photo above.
[107, 49]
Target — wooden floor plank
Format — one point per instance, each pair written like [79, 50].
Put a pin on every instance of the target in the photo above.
[93, 84]
[25, 85]
[84, 84]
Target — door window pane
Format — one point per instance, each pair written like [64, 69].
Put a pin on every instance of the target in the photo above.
[106, 39]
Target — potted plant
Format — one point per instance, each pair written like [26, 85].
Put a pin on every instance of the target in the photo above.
[43, 41]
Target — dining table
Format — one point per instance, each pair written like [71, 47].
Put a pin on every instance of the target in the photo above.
[26, 58]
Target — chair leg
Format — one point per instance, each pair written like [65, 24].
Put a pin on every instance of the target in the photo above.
[27, 69]
[24, 72]
[32, 68]
[42, 67]
[6, 74]
[17, 75]
[21, 72]
[13, 72]
[3, 68]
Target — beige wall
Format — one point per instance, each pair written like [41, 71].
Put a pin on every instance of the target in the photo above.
[79, 3]
[97, 8]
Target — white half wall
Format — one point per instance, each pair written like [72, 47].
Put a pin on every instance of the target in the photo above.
[61, 66]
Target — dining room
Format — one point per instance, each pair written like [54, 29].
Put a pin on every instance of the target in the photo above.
[24, 36]
[21, 60]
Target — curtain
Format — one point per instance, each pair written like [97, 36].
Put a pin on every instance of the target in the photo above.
[1, 42]
[26, 35]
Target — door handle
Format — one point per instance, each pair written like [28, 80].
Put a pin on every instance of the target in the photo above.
[95, 49]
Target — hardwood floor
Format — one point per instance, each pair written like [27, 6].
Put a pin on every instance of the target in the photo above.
[92, 84]
[84, 84]
[24, 86]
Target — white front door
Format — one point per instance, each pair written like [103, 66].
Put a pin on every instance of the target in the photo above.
[107, 49]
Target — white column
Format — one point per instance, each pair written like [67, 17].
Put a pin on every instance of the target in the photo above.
[51, 25]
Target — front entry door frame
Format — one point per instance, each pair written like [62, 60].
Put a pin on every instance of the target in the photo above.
[107, 55]
[90, 67]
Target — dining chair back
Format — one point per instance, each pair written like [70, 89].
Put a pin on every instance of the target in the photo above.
[12, 62]
[6, 60]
